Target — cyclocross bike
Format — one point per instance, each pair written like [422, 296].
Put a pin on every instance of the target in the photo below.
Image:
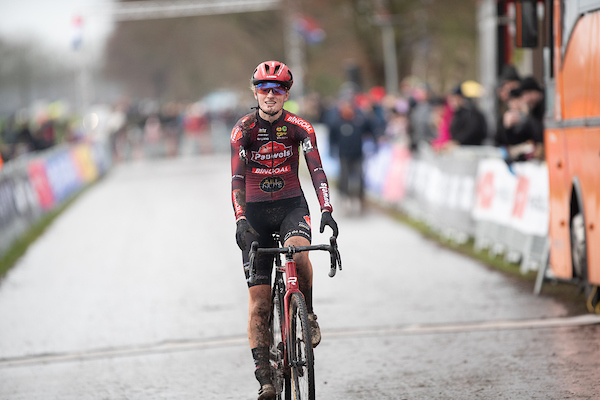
[291, 353]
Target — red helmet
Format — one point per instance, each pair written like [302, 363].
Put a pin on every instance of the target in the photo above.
[273, 71]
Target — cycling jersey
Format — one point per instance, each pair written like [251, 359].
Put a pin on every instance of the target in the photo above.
[265, 159]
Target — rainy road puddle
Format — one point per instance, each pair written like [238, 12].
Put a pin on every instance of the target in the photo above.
[189, 345]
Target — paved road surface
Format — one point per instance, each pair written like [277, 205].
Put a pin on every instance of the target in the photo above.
[137, 292]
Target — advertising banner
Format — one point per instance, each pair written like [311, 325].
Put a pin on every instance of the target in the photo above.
[517, 199]
[376, 168]
[40, 184]
[394, 187]
[495, 191]
[62, 175]
[531, 208]
[83, 159]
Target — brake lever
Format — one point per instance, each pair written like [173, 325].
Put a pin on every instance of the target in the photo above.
[334, 254]
[252, 267]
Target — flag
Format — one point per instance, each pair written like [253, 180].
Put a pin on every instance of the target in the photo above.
[77, 32]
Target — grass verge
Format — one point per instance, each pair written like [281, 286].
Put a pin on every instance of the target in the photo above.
[20, 246]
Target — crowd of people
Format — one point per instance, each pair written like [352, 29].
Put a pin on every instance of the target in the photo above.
[417, 117]
[20, 136]
[357, 121]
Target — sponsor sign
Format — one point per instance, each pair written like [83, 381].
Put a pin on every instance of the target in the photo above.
[531, 206]
[300, 122]
[40, 184]
[272, 184]
[281, 131]
[62, 175]
[519, 200]
[325, 193]
[272, 154]
[272, 171]
[394, 187]
[307, 219]
[83, 160]
[494, 193]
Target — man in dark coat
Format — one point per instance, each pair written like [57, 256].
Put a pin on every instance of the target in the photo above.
[468, 126]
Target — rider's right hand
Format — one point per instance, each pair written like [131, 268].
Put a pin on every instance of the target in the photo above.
[243, 227]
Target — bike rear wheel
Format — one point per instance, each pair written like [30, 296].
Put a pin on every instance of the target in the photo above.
[301, 357]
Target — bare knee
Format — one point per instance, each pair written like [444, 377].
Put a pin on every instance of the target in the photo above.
[260, 302]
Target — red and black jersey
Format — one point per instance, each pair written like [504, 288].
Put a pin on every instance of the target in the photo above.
[265, 159]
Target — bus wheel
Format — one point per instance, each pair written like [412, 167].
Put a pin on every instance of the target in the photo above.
[579, 255]
[578, 247]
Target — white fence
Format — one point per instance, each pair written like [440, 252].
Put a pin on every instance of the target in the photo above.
[468, 193]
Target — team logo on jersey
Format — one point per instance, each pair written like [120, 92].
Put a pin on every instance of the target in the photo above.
[272, 154]
[272, 184]
[307, 224]
[307, 219]
[281, 131]
[300, 122]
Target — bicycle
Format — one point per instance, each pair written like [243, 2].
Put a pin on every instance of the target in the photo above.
[291, 352]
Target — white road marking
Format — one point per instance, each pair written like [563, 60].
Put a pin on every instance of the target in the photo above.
[175, 346]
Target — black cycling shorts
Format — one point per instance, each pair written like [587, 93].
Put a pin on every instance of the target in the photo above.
[288, 217]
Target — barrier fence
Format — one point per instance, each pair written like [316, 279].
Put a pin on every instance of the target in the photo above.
[33, 185]
[468, 193]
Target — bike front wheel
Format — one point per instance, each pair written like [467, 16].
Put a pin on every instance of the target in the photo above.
[301, 357]
[280, 378]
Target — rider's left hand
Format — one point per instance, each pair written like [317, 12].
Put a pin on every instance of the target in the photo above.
[327, 220]
[242, 228]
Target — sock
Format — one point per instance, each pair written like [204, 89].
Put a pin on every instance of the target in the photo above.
[262, 369]
[308, 300]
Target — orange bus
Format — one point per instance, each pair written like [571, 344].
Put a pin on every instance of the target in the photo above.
[572, 142]
[570, 60]
[564, 41]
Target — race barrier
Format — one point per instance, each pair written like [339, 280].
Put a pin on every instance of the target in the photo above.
[468, 193]
[39, 182]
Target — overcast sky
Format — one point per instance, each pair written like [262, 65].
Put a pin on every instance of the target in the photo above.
[51, 22]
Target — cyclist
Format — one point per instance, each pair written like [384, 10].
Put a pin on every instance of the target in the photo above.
[267, 198]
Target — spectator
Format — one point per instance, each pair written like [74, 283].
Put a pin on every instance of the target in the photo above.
[348, 127]
[442, 118]
[468, 126]
[523, 126]
[508, 80]
[24, 143]
[422, 130]
[396, 129]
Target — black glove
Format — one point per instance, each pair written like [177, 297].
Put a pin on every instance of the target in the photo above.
[243, 227]
[327, 219]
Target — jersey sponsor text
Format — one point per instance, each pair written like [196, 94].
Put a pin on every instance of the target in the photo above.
[272, 154]
[272, 171]
[300, 122]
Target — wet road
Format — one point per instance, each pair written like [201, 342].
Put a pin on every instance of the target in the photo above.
[137, 292]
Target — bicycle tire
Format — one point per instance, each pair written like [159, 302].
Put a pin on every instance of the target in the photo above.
[279, 376]
[301, 357]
